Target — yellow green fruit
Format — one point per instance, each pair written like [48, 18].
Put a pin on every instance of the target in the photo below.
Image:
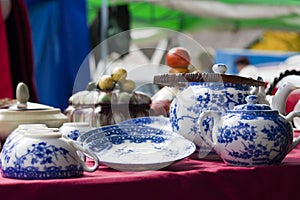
[118, 74]
[127, 85]
[106, 83]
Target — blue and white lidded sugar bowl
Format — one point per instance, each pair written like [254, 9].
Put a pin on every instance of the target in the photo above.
[251, 134]
[44, 154]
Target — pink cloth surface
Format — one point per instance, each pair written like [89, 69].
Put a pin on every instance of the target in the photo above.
[185, 179]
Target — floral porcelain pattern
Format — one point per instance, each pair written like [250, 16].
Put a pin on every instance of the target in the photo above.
[73, 130]
[262, 144]
[111, 129]
[199, 97]
[251, 134]
[152, 121]
[43, 155]
[15, 135]
[136, 147]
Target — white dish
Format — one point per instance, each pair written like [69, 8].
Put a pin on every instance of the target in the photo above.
[152, 121]
[136, 147]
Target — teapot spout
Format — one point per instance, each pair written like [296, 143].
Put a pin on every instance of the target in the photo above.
[278, 101]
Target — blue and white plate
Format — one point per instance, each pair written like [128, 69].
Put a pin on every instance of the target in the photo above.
[136, 147]
[152, 121]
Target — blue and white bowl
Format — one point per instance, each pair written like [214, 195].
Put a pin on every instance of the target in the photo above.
[17, 133]
[73, 130]
[135, 147]
[44, 154]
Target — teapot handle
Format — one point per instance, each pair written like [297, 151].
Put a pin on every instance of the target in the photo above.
[292, 115]
[278, 101]
[210, 113]
[88, 153]
[276, 80]
[289, 118]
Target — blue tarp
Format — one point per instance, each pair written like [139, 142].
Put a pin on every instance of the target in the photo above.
[228, 57]
[61, 43]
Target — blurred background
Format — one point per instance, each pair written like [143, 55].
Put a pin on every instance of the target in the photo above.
[74, 42]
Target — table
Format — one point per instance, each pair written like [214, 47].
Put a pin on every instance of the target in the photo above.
[185, 179]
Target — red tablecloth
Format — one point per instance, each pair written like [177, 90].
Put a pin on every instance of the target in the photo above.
[186, 179]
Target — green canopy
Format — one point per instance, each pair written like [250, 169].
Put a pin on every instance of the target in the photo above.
[187, 14]
[145, 14]
[264, 2]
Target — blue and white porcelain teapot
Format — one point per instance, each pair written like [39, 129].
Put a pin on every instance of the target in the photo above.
[251, 134]
[199, 92]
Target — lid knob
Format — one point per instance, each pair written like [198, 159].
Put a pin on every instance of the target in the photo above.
[252, 99]
[22, 94]
[252, 105]
[219, 68]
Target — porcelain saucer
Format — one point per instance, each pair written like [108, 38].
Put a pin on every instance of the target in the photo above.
[136, 147]
[152, 121]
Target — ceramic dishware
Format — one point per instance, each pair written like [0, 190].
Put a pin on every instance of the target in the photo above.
[21, 128]
[73, 130]
[251, 134]
[16, 134]
[44, 154]
[219, 92]
[199, 92]
[24, 112]
[297, 120]
[152, 121]
[136, 147]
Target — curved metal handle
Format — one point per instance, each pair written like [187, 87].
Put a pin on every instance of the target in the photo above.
[90, 154]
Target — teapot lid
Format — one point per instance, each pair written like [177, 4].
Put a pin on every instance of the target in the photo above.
[218, 76]
[252, 105]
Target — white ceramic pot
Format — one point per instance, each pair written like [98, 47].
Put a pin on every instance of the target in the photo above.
[24, 112]
[10, 119]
